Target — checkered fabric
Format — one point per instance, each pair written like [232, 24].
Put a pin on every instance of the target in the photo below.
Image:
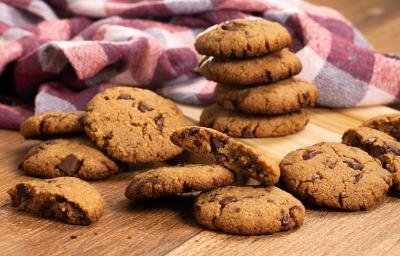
[56, 54]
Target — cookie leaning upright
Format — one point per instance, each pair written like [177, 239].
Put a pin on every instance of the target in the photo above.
[223, 150]
[253, 67]
[133, 125]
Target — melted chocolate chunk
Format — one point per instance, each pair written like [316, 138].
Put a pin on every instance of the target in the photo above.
[285, 219]
[310, 154]
[124, 97]
[232, 26]
[228, 200]
[143, 107]
[160, 123]
[216, 144]
[70, 165]
[357, 178]
[353, 164]
[22, 192]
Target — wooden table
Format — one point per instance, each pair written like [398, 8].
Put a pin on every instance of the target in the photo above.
[166, 226]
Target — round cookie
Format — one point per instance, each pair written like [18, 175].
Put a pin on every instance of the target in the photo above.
[335, 175]
[76, 157]
[238, 124]
[133, 125]
[282, 97]
[68, 199]
[245, 72]
[242, 38]
[378, 144]
[249, 210]
[222, 149]
[389, 124]
[174, 180]
[50, 124]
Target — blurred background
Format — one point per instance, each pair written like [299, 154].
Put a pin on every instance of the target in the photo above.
[378, 20]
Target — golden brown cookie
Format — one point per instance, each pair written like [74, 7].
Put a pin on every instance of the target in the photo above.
[282, 97]
[68, 199]
[51, 124]
[242, 38]
[248, 210]
[378, 144]
[76, 157]
[221, 149]
[175, 180]
[133, 125]
[244, 72]
[389, 124]
[335, 175]
[238, 124]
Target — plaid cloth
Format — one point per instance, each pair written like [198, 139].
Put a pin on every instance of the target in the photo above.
[56, 54]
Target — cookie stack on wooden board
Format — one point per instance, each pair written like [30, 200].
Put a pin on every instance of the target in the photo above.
[256, 94]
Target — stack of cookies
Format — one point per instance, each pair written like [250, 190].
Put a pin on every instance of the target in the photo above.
[256, 94]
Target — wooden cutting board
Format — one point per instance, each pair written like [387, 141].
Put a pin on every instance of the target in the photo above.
[167, 227]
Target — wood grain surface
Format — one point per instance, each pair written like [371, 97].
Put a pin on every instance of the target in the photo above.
[167, 227]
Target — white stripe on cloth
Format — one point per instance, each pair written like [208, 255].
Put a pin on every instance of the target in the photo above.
[183, 7]
[42, 10]
[13, 34]
[89, 8]
[45, 102]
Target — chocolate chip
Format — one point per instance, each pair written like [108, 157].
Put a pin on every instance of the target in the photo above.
[271, 201]
[106, 98]
[124, 97]
[129, 237]
[108, 136]
[237, 210]
[190, 132]
[143, 107]
[357, 178]
[73, 237]
[310, 154]
[78, 213]
[159, 122]
[197, 143]
[220, 158]
[306, 95]
[216, 144]
[60, 199]
[392, 149]
[370, 140]
[330, 164]
[284, 219]
[70, 165]
[228, 200]
[247, 134]
[376, 150]
[232, 26]
[355, 141]
[21, 191]
[354, 164]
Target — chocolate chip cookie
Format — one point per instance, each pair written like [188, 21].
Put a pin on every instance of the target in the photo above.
[68, 199]
[133, 125]
[225, 151]
[238, 124]
[282, 97]
[245, 72]
[76, 157]
[243, 38]
[174, 180]
[248, 210]
[389, 124]
[335, 175]
[378, 144]
[51, 124]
